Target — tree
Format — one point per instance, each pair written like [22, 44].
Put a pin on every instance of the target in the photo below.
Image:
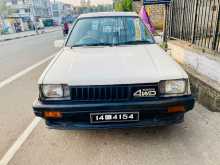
[4, 9]
[127, 5]
[118, 6]
[123, 5]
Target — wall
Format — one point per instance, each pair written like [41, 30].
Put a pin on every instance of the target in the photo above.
[204, 73]
[156, 12]
[201, 62]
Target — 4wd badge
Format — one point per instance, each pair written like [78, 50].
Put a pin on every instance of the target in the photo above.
[145, 93]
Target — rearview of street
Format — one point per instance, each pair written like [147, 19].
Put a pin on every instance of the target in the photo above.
[100, 82]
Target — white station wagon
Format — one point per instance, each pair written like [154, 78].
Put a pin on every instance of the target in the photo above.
[110, 73]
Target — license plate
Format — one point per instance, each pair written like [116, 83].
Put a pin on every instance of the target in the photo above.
[114, 117]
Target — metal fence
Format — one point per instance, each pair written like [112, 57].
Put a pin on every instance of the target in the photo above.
[196, 21]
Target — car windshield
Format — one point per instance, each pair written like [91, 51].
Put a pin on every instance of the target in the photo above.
[103, 31]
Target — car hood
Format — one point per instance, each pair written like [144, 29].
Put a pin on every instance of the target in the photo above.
[111, 65]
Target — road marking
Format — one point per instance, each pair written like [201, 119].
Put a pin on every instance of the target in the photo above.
[20, 140]
[23, 137]
[20, 74]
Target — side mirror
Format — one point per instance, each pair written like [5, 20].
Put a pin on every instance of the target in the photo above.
[58, 43]
[158, 39]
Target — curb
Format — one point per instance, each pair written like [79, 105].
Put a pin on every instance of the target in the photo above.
[205, 89]
[8, 39]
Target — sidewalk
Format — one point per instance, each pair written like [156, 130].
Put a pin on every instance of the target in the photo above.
[27, 33]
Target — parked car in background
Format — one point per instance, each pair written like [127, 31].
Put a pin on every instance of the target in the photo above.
[111, 74]
[48, 22]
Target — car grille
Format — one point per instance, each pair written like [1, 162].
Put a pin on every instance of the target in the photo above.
[107, 92]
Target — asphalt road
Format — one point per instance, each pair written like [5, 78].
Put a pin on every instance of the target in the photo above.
[16, 55]
[196, 141]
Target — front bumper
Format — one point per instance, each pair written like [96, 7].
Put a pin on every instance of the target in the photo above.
[76, 115]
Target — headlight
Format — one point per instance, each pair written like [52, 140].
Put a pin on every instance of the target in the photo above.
[174, 87]
[60, 92]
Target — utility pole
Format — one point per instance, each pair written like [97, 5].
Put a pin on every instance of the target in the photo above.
[31, 7]
[167, 4]
[165, 25]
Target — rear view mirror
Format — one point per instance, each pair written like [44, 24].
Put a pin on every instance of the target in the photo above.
[158, 39]
[58, 43]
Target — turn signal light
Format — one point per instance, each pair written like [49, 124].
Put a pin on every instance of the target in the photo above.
[52, 114]
[174, 109]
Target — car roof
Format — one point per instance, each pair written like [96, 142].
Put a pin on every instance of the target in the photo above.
[108, 14]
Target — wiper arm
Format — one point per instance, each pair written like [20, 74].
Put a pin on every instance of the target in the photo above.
[134, 42]
[95, 44]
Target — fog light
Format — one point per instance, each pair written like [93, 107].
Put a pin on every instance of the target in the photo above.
[52, 114]
[176, 109]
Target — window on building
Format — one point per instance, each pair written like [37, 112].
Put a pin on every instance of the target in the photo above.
[27, 10]
[55, 13]
[14, 1]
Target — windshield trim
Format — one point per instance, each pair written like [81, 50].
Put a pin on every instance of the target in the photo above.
[78, 19]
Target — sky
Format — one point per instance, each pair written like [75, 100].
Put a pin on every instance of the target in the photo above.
[77, 2]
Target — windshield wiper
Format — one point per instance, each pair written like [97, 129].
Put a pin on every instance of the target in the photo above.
[113, 44]
[95, 44]
[135, 42]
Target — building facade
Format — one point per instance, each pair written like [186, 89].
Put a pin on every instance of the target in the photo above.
[85, 3]
[60, 11]
[25, 13]
[57, 12]
[30, 8]
[41, 8]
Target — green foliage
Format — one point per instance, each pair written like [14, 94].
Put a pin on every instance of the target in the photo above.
[123, 5]
[118, 6]
[127, 5]
[4, 9]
